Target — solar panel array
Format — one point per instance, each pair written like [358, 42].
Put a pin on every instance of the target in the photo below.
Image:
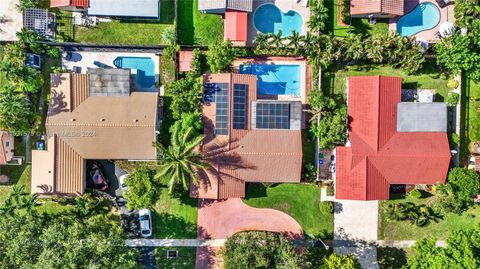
[220, 97]
[240, 106]
[273, 116]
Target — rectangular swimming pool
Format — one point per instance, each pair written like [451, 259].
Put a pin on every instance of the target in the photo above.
[275, 79]
[144, 69]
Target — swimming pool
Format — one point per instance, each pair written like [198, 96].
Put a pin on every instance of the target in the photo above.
[268, 18]
[275, 79]
[144, 69]
[423, 17]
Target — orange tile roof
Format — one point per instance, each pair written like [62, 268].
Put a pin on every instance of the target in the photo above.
[69, 3]
[245, 155]
[235, 28]
[367, 7]
[379, 155]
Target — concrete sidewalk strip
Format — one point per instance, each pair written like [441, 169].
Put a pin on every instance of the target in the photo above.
[174, 243]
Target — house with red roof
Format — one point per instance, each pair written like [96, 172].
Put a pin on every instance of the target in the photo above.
[6, 147]
[376, 8]
[248, 138]
[390, 142]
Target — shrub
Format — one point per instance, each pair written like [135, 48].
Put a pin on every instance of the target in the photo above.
[452, 84]
[309, 172]
[196, 64]
[345, 11]
[465, 183]
[326, 207]
[415, 194]
[220, 56]
[186, 96]
[453, 140]
[453, 98]
[142, 189]
[331, 190]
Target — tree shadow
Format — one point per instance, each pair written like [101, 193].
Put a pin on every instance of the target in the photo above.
[391, 258]
[256, 190]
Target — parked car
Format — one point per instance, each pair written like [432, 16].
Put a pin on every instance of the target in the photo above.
[122, 182]
[99, 180]
[145, 218]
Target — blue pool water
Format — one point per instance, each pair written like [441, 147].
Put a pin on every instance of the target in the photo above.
[275, 79]
[144, 66]
[269, 19]
[425, 16]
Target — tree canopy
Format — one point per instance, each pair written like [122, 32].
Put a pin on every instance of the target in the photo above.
[462, 251]
[334, 261]
[220, 56]
[186, 94]
[261, 250]
[143, 189]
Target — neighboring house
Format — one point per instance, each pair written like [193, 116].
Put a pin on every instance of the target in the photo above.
[235, 13]
[6, 147]
[148, 9]
[247, 139]
[376, 8]
[390, 142]
[92, 117]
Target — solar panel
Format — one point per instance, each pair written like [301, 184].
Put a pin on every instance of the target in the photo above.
[219, 96]
[240, 106]
[273, 116]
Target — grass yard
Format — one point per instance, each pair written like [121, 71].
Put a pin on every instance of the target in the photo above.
[185, 260]
[358, 25]
[18, 174]
[334, 78]
[470, 126]
[403, 230]
[393, 258]
[301, 201]
[175, 216]
[132, 32]
[196, 28]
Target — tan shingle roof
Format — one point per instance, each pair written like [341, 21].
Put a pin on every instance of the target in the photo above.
[367, 7]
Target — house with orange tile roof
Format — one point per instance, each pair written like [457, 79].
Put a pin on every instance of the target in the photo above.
[248, 138]
[390, 142]
[92, 116]
[376, 8]
[146, 9]
[6, 147]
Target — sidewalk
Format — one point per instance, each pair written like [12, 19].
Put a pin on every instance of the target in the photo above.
[175, 242]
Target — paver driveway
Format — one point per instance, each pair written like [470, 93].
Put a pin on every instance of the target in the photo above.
[221, 219]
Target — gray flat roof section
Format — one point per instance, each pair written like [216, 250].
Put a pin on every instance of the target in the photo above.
[421, 117]
[125, 8]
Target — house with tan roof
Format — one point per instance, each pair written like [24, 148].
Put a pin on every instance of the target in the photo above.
[390, 142]
[376, 8]
[92, 116]
[248, 138]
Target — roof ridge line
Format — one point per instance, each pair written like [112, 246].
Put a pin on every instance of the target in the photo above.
[100, 125]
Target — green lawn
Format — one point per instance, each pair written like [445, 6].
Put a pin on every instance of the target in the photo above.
[301, 201]
[175, 216]
[195, 27]
[358, 25]
[132, 32]
[334, 78]
[471, 115]
[167, 70]
[18, 174]
[403, 230]
[185, 260]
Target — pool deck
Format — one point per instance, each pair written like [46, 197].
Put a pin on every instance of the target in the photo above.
[85, 59]
[427, 35]
[284, 6]
[304, 75]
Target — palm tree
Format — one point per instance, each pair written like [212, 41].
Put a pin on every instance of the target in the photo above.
[277, 39]
[261, 40]
[29, 202]
[353, 47]
[295, 41]
[180, 161]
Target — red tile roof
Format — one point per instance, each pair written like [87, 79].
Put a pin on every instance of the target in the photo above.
[379, 155]
[69, 3]
[245, 155]
[367, 7]
[235, 26]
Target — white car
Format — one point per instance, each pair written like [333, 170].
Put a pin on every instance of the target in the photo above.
[145, 218]
[122, 181]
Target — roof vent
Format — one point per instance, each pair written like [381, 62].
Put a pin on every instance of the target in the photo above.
[72, 119]
[135, 120]
[102, 119]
